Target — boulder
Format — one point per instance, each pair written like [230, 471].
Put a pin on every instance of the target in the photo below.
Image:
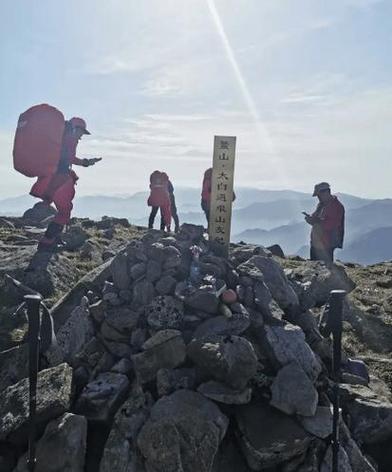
[76, 331]
[74, 237]
[62, 447]
[138, 270]
[313, 282]
[53, 399]
[112, 335]
[229, 457]
[123, 366]
[165, 312]
[143, 293]
[166, 349]
[203, 299]
[166, 285]
[90, 355]
[101, 398]
[97, 311]
[14, 365]
[183, 433]
[293, 392]
[276, 250]
[223, 326]
[120, 453]
[276, 281]
[119, 272]
[118, 349]
[286, 344]
[135, 249]
[90, 251]
[370, 417]
[319, 425]
[153, 271]
[229, 359]
[94, 281]
[244, 252]
[223, 394]
[357, 459]
[308, 462]
[284, 440]
[40, 212]
[122, 319]
[190, 233]
[108, 222]
[344, 462]
[170, 380]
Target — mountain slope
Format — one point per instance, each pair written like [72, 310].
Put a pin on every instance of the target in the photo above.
[371, 248]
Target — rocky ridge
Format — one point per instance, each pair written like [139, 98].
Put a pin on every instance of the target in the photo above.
[156, 370]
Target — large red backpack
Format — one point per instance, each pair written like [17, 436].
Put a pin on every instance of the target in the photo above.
[159, 194]
[38, 138]
[159, 179]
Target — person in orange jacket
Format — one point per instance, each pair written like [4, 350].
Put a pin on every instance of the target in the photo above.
[327, 224]
[159, 199]
[206, 194]
[59, 188]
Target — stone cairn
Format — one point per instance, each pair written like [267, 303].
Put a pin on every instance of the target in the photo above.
[224, 371]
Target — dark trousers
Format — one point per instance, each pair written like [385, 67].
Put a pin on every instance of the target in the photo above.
[154, 211]
[325, 254]
[174, 213]
[206, 208]
[151, 219]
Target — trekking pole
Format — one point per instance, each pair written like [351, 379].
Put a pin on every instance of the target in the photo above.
[33, 303]
[336, 326]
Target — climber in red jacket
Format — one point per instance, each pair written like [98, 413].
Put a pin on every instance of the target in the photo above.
[327, 225]
[59, 188]
[160, 199]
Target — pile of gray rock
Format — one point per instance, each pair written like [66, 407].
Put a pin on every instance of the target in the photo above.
[223, 370]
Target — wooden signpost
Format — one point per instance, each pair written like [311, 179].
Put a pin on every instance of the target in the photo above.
[222, 190]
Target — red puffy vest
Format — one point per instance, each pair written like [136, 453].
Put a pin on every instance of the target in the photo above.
[159, 186]
[38, 140]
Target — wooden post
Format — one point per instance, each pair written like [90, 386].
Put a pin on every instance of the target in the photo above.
[222, 190]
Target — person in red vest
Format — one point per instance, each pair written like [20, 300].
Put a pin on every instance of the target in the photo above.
[206, 194]
[327, 224]
[159, 199]
[59, 188]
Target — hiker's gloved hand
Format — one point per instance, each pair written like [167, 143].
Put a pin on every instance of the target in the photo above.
[91, 162]
[311, 219]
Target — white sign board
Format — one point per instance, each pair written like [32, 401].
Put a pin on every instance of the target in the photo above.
[222, 190]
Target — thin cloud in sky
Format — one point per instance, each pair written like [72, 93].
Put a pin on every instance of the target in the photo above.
[303, 85]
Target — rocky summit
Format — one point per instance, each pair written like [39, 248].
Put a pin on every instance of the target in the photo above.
[157, 368]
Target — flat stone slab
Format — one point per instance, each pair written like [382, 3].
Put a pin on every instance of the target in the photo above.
[293, 392]
[284, 438]
[53, 399]
[223, 394]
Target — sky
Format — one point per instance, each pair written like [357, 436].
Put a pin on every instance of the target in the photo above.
[305, 86]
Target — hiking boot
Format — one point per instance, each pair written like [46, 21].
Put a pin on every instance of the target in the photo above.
[47, 245]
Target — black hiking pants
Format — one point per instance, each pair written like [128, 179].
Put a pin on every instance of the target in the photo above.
[322, 254]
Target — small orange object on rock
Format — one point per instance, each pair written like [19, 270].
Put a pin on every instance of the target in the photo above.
[229, 296]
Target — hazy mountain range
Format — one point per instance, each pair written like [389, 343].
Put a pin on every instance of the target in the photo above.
[260, 216]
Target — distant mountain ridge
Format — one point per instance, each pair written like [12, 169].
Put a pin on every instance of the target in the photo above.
[259, 216]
